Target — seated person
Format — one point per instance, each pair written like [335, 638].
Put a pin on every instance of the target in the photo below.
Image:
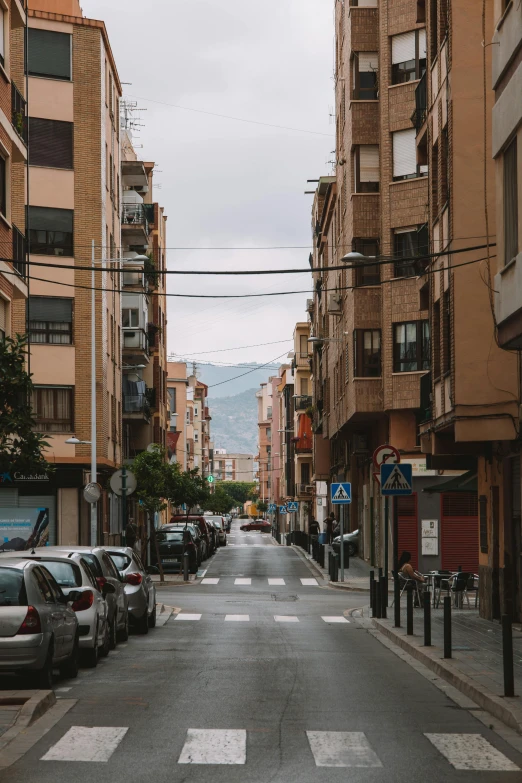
[406, 568]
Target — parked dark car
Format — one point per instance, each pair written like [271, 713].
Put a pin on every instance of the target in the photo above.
[351, 543]
[258, 524]
[209, 540]
[173, 542]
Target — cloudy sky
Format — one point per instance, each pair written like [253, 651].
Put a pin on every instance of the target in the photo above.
[226, 183]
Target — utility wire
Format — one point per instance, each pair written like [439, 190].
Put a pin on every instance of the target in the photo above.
[238, 348]
[213, 385]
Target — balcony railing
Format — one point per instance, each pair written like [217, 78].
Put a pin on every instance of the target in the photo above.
[135, 340]
[19, 112]
[136, 404]
[303, 403]
[135, 215]
[418, 117]
[19, 252]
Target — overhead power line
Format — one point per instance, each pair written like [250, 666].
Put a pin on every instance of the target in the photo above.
[237, 348]
[272, 361]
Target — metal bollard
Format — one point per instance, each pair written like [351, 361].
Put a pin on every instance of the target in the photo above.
[447, 626]
[382, 588]
[397, 602]
[336, 568]
[375, 602]
[372, 580]
[409, 612]
[185, 567]
[377, 598]
[427, 618]
[507, 655]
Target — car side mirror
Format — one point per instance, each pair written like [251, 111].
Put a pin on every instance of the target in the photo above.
[108, 588]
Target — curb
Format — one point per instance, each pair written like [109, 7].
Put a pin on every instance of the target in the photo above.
[499, 707]
[341, 586]
[309, 562]
[33, 709]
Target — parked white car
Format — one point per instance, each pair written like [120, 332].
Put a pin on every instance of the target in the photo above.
[139, 587]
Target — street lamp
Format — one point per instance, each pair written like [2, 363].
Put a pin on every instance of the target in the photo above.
[75, 442]
[354, 258]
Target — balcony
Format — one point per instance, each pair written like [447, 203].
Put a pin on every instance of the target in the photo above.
[418, 118]
[303, 489]
[136, 407]
[135, 343]
[19, 252]
[134, 225]
[303, 403]
[19, 112]
[134, 175]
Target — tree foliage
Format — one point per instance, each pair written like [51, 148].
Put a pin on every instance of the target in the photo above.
[262, 506]
[219, 502]
[20, 446]
[238, 490]
[159, 481]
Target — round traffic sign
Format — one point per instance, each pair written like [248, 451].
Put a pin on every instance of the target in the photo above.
[384, 454]
[117, 484]
[92, 492]
[210, 479]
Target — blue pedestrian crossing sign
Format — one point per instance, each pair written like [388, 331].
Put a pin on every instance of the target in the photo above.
[341, 493]
[272, 508]
[292, 505]
[282, 509]
[396, 479]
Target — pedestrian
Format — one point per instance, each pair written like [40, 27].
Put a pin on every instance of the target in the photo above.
[313, 529]
[329, 522]
[408, 572]
[131, 533]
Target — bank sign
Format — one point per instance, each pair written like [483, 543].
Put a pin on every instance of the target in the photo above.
[23, 528]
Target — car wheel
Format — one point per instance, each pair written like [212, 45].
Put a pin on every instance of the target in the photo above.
[106, 646]
[69, 669]
[43, 678]
[90, 655]
[225, 542]
[152, 618]
[142, 625]
[351, 549]
[123, 634]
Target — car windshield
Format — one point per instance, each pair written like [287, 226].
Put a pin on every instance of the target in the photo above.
[12, 588]
[216, 523]
[120, 560]
[66, 574]
[170, 535]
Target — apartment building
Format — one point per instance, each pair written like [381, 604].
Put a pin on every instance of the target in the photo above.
[74, 93]
[264, 456]
[13, 160]
[506, 54]
[177, 383]
[198, 420]
[301, 437]
[232, 467]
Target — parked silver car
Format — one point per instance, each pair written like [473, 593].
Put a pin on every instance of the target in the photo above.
[73, 573]
[139, 587]
[106, 573]
[220, 524]
[38, 627]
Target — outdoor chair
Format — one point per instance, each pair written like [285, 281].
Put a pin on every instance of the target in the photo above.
[405, 582]
[463, 584]
[441, 581]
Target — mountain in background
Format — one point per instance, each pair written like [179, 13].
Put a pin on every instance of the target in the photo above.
[212, 374]
[234, 422]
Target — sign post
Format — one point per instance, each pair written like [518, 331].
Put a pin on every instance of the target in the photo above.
[341, 494]
[383, 455]
[396, 480]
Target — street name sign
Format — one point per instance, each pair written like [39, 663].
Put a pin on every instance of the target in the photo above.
[396, 479]
[341, 493]
[282, 509]
[292, 505]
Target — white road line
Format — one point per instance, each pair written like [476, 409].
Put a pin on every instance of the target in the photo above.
[209, 581]
[237, 618]
[286, 618]
[202, 573]
[342, 749]
[62, 690]
[181, 616]
[243, 582]
[309, 582]
[276, 582]
[214, 746]
[81, 743]
[471, 751]
[335, 619]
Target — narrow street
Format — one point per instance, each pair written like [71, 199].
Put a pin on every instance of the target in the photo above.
[253, 682]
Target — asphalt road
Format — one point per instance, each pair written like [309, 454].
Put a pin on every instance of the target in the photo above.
[258, 687]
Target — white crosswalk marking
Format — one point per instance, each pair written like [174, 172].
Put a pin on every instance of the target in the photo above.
[214, 746]
[181, 616]
[276, 582]
[237, 618]
[309, 582]
[335, 619]
[243, 582]
[342, 749]
[471, 751]
[286, 618]
[81, 743]
[209, 581]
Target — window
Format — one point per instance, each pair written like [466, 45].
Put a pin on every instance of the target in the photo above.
[50, 231]
[408, 56]
[305, 473]
[366, 159]
[269, 412]
[411, 346]
[3, 318]
[53, 408]
[130, 317]
[367, 274]
[2, 36]
[49, 54]
[303, 346]
[405, 155]
[51, 143]
[50, 320]
[510, 202]
[365, 71]
[446, 333]
[269, 433]
[408, 245]
[367, 353]
[304, 387]
[172, 400]
[3, 186]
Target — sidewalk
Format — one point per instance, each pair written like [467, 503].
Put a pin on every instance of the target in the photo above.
[356, 575]
[476, 668]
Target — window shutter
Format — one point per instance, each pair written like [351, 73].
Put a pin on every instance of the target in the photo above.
[49, 54]
[403, 47]
[2, 33]
[422, 43]
[3, 315]
[51, 143]
[50, 219]
[46, 308]
[368, 62]
[404, 153]
[369, 162]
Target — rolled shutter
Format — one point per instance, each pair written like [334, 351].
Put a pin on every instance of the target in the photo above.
[47, 308]
[403, 47]
[404, 153]
[368, 62]
[369, 163]
[51, 143]
[422, 43]
[50, 219]
[49, 53]
[2, 33]
[3, 315]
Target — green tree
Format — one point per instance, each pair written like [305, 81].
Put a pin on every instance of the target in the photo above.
[186, 488]
[20, 446]
[152, 473]
[219, 502]
[238, 490]
[262, 506]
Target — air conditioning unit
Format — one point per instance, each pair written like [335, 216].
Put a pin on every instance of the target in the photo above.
[334, 304]
[309, 487]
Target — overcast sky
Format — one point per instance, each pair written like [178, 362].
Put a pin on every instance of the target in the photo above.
[226, 183]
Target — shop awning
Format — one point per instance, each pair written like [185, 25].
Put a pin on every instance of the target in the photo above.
[467, 482]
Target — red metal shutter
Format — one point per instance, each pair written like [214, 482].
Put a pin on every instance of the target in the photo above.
[408, 526]
[459, 531]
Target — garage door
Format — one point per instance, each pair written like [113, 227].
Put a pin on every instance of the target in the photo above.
[408, 526]
[459, 531]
